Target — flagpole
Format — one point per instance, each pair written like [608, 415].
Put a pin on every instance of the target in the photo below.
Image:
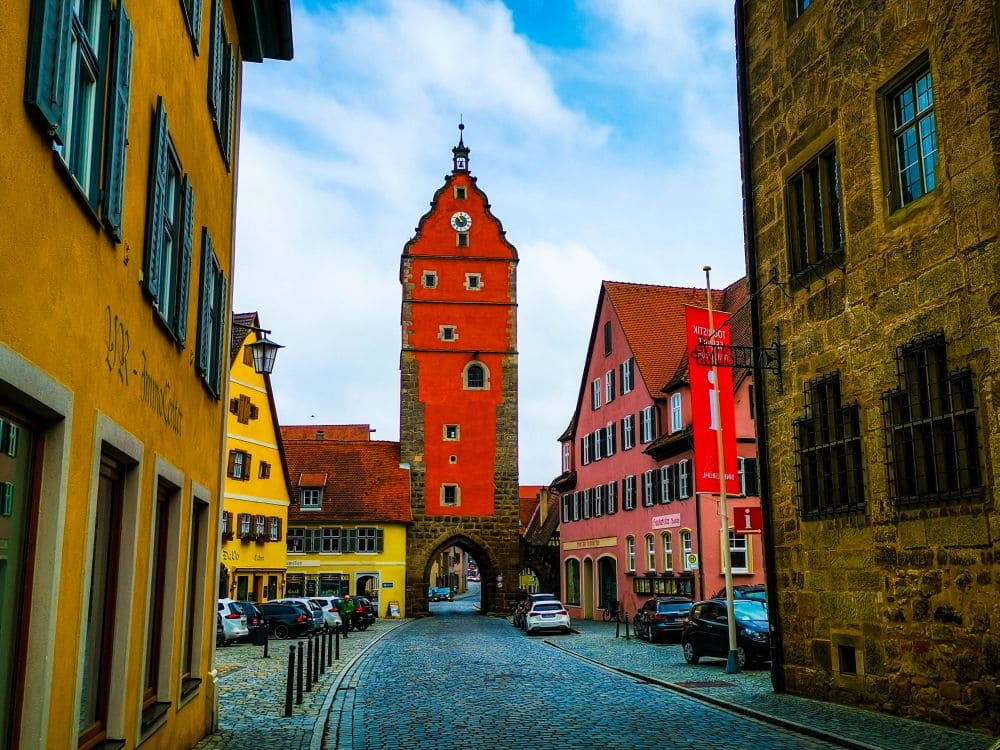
[732, 660]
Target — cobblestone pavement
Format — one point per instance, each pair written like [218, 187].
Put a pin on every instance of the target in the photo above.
[466, 681]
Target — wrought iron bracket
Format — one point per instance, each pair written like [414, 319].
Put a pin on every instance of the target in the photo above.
[744, 357]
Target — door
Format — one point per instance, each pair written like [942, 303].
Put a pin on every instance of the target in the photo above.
[607, 579]
[588, 589]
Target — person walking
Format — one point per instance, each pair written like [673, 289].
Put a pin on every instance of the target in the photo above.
[346, 610]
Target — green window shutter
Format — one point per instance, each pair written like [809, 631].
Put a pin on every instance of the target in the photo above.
[196, 24]
[46, 78]
[184, 270]
[119, 89]
[222, 330]
[206, 300]
[215, 63]
[351, 540]
[230, 106]
[379, 540]
[158, 167]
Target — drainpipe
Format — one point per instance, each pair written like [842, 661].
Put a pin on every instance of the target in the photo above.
[701, 548]
[760, 404]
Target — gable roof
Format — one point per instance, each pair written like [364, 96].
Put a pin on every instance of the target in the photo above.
[363, 479]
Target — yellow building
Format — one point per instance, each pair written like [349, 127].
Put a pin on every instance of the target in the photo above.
[349, 513]
[255, 506]
[117, 206]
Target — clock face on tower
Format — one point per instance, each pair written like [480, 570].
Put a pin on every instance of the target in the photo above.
[461, 221]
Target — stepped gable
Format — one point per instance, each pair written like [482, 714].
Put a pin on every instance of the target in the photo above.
[363, 481]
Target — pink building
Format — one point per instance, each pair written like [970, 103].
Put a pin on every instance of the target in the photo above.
[632, 525]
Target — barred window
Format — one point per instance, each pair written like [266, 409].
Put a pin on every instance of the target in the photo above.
[828, 452]
[931, 433]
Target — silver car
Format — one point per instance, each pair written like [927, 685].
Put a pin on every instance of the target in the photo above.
[234, 622]
[330, 613]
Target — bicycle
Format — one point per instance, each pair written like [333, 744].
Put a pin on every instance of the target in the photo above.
[611, 611]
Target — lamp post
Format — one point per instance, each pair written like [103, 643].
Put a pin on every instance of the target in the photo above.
[264, 350]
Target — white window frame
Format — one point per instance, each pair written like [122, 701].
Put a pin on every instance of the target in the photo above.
[566, 455]
[686, 542]
[609, 439]
[473, 287]
[646, 425]
[628, 493]
[668, 550]
[628, 376]
[431, 276]
[311, 498]
[650, 552]
[598, 439]
[739, 548]
[609, 386]
[368, 539]
[630, 554]
[684, 471]
[576, 506]
[628, 431]
[274, 529]
[585, 450]
[612, 497]
[595, 394]
[648, 494]
[598, 500]
[665, 485]
[676, 413]
[295, 540]
[448, 333]
[331, 542]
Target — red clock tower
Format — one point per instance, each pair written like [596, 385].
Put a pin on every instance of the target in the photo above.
[458, 396]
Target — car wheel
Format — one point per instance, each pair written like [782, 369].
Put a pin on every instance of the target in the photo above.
[690, 655]
[362, 626]
[636, 630]
[743, 657]
[281, 631]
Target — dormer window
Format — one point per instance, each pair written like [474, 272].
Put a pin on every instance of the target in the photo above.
[311, 497]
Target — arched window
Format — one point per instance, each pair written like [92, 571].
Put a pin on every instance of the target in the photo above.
[476, 376]
[668, 551]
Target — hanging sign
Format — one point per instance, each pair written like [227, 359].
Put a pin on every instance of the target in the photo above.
[748, 520]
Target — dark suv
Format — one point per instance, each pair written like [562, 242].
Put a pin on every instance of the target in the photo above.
[365, 613]
[662, 616]
[286, 620]
[255, 621]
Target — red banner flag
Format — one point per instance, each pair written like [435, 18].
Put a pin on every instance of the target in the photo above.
[712, 404]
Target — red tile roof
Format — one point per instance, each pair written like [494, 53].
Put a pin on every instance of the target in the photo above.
[528, 495]
[326, 431]
[364, 481]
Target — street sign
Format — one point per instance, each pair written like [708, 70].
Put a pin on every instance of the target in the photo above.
[748, 520]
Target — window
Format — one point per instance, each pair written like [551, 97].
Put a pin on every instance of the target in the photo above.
[628, 432]
[447, 333]
[748, 476]
[476, 377]
[451, 432]
[647, 425]
[607, 338]
[330, 539]
[913, 137]
[595, 394]
[585, 450]
[567, 508]
[310, 497]
[612, 498]
[159, 606]
[370, 539]
[576, 506]
[666, 486]
[815, 228]
[473, 282]
[430, 279]
[227, 523]
[739, 560]
[931, 432]
[610, 443]
[650, 552]
[192, 16]
[687, 550]
[609, 386]
[210, 346]
[599, 500]
[460, 193]
[71, 64]
[461, 239]
[628, 375]
[827, 446]
[295, 540]
[628, 493]
[222, 83]
[566, 450]
[264, 470]
[668, 551]
[169, 232]
[450, 494]
[239, 465]
[630, 554]
[259, 526]
[274, 529]
[684, 478]
[194, 609]
[572, 578]
[676, 414]
[245, 523]
[586, 504]
[597, 438]
[648, 488]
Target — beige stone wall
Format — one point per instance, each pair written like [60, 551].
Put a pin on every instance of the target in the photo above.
[915, 591]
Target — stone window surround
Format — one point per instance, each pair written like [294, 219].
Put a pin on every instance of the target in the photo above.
[478, 286]
[458, 495]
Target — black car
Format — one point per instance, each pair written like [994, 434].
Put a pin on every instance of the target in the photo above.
[365, 613]
[660, 617]
[286, 620]
[745, 591]
[707, 631]
[255, 621]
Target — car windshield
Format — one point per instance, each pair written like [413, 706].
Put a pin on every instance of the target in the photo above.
[673, 607]
[547, 606]
[750, 609]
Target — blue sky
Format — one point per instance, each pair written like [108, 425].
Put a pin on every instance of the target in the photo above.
[604, 134]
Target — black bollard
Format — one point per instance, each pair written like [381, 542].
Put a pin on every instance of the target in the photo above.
[323, 639]
[314, 663]
[626, 626]
[617, 622]
[298, 682]
[266, 639]
[291, 681]
[329, 649]
[309, 663]
[337, 637]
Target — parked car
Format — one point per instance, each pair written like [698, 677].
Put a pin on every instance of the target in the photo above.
[286, 619]
[473, 576]
[747, 591]
[220, 631]
[546, 614]
[331, 616]
[441, 594]
[255, 619]
[234, 622]
[365, 613]
[524, 605]
[311, 608]
[706, 632]
[660, 617]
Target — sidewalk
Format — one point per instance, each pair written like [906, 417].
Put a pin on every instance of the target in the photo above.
[750, 693]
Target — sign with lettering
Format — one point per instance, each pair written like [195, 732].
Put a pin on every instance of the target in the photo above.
[671, 521]
[607, 541]
[392, 610]
[712, 405]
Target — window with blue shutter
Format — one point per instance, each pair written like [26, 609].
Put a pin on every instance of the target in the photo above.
[221, 83]
[119, 92]
[192, 17]
[211, 317]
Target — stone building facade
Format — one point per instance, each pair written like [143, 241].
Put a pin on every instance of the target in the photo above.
[458, 390]
[870, 136]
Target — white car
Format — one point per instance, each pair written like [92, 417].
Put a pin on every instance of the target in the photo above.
[330, 613]
[234, 621]
[547, 615]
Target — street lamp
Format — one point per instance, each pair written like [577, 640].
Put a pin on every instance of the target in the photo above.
[263, 350]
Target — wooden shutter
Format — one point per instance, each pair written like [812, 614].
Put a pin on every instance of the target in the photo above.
[119, 90]
[350, 540]
[379, 540]
[206, 298]
[196, 24]
[215, 63]
[158, 168]
[246, 467]
[229, 104]
[184, 262]
[48, 62]
[231, 466]
[221, 330]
